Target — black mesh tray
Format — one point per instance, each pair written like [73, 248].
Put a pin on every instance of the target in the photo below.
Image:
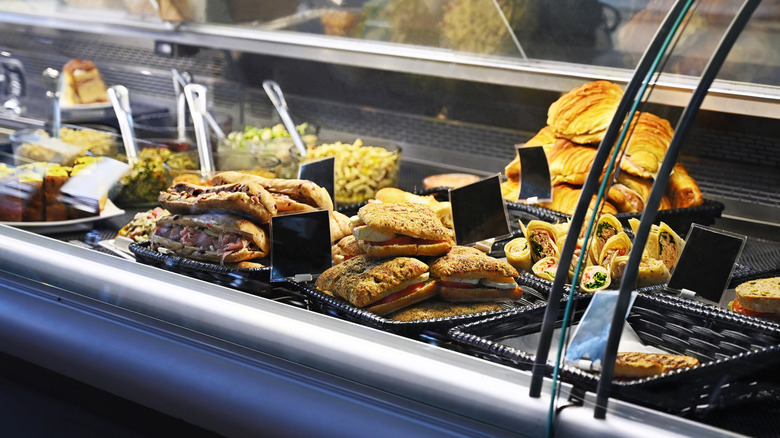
[738, 355]
[679, 219]
[253, 280]
[760, 258]
[533, 294]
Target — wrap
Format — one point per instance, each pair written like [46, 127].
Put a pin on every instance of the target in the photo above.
[605, 227]
[518, 253]
[542, 237]
[651, 271]
[670, 246]
[546, 268]
[617, 245]
[594, 278]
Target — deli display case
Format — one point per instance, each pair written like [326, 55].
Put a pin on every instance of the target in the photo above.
[449, 87]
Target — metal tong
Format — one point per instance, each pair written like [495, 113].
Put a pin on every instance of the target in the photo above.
[120, 100]
[51, 79]
[181, 80]
[196, 99]
[274, 92]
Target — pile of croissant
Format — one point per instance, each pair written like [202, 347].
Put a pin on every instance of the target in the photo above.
[576, 124]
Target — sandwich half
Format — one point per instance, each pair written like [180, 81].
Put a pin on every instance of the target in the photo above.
[380, 286]
[246, 199]
[468, 274]
[404, 229]
[216, 238]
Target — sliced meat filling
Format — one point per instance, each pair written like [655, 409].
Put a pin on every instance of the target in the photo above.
[542, 245]
[206, 240]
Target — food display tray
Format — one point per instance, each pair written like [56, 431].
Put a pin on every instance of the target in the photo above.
[533, 294]
[679, 219]
[738, 355]
[253, 280]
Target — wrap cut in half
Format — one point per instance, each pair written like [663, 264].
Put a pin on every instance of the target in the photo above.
[542, 238]
[518, 254]
[546, 268]
[216, 238]
[670, 246]
[651, 272]
[605, 227]
[651, 246]
[617, 245]
[594, 278]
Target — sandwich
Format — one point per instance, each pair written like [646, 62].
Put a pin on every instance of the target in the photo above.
[468, 274]
[82, 83]
[346, 248]
[760, 298]
[246, 199]
[212, 237]
[404, 229]
[639, 365]
[380, 286]
[290, 195]
[392, 195]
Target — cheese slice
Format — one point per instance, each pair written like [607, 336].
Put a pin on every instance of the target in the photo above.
[363, 232]
[499, 283]
[460, 280]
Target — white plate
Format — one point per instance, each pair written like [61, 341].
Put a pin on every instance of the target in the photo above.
[109, 210]
[118, 246]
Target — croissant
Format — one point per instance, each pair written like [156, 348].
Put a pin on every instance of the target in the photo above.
[682, 189]
[545, 138]
[642, 187]
[583, 114]
[646, 146]
[565, 198]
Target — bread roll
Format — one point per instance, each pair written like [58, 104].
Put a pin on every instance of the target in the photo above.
[682, 189]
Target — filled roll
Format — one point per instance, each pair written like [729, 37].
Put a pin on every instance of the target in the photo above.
[546, 268]
[651, 271]
[670, 246]
[617, 245]
[518, 253]
[605, 227]
[594, 278]
[651, 246]
[542, 237]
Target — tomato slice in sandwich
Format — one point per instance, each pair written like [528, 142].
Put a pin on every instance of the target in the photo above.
[736, 306]
[400, 294]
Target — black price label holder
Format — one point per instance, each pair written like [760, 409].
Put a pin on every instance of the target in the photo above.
[322, 173]
[535, 183]
[706, 263]
[479, 211]
[300, 245]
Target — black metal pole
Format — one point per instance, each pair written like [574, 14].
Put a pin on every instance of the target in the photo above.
[651, 206]
[649, 58]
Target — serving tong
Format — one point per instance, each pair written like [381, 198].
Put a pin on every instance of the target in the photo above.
[120, 100]
[196, 99]
[53, 84]
[181, 80]
[274, 92]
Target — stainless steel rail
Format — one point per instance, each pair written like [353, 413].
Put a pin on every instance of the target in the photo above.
[239, 364]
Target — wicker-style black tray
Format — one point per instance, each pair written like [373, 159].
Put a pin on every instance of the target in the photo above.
[252, 280]
[534, 294]
[738, 355]
[679, 219]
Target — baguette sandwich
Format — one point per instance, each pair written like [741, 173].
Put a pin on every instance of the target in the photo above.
[404, 229]
[212, 237]
[246, 199]
[290, 195]
[468, 274]
[380, 286]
